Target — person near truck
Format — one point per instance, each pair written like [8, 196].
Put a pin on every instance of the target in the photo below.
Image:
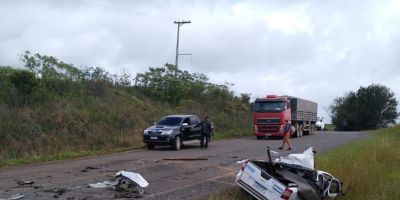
[206, 130]
[286, 136]
[344, 125]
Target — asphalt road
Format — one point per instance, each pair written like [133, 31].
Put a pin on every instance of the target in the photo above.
[168, 179]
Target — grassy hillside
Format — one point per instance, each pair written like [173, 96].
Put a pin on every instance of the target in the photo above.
[369, 169]
[53, 110]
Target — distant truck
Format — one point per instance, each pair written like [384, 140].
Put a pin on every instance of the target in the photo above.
[271, 112]
[320, 125]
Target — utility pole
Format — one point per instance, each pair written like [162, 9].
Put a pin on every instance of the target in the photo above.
[179, 23]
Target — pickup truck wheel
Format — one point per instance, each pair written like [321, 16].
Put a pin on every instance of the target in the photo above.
[177, 143]
[259, 137]
[150, 146]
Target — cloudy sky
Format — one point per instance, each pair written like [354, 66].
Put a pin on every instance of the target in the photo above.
[317, 50]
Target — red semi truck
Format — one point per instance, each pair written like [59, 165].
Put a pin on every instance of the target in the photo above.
[271, 112]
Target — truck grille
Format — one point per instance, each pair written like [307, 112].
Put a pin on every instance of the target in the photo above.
[268, 121]
[154, 132]
[268, 129]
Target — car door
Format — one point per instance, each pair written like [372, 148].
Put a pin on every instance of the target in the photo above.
[186, 129]
[195, 128]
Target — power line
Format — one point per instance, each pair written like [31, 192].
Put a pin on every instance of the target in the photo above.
[179, 23]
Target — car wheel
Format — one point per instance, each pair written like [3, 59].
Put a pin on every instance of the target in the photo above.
[150, 146]
[177, 143]
[259, 137]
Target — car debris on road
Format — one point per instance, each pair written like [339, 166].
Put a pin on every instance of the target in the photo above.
[57, 191]
[88, 168]
[104, 184]
[129, 182]
[287, 178]
[25, 183]
[14, 197]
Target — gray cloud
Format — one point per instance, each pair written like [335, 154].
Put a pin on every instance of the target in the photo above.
[312, 49]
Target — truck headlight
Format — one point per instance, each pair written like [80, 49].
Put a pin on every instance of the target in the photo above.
[167, 132]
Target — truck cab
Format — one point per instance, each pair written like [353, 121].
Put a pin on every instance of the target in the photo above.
[269, 115]
[271, 112]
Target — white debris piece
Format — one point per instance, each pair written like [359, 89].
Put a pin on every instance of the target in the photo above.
[104, 184]
[305, 159]
[135, 177]
[14, 197]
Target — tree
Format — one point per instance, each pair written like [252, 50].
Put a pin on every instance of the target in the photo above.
[170, 84]
[369, 108]
[25, 82]
[49, 67]
[245, 97]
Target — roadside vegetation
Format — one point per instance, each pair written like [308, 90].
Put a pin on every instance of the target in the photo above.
[368, 168]
[371, 107]
[53, 110]
[329, 127]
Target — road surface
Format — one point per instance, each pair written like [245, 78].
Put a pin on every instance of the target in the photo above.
[168, 179]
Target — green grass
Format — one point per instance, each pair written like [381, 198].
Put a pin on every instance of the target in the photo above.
[369, 168]
[232, 134]
[329, 127]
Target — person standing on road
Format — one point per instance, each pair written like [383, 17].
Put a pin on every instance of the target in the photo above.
[206, 130]
[286, 136]
[344, 125]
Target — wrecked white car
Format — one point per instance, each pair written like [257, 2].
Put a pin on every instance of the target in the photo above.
[289, 178]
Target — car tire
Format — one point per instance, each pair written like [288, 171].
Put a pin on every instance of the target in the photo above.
[259, 137]
[150, 146]
[177, 143]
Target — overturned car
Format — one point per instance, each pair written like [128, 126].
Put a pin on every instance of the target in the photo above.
[289, 178]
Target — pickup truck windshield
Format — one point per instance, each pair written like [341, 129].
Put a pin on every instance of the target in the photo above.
[269, 106]
[170, 121]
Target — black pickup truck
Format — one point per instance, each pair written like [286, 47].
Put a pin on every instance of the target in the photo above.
[173, 130]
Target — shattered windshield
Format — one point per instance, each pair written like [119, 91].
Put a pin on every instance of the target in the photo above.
[269, 106]
[170, 121]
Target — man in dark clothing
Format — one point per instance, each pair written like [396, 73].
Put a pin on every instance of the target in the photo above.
[206, 130]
